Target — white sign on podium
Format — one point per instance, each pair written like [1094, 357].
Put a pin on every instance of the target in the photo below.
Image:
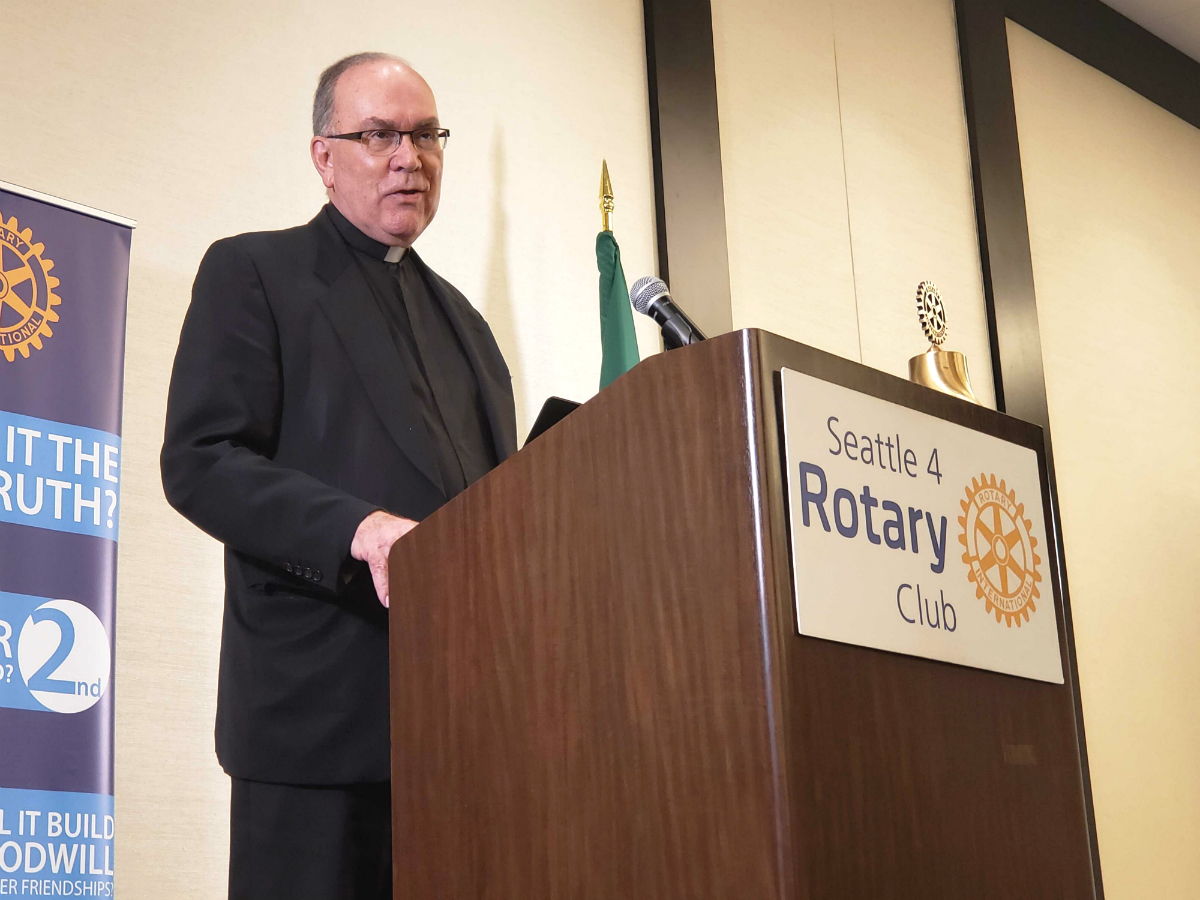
[916, 535]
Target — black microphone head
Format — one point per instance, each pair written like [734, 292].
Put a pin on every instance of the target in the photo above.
[645, 291]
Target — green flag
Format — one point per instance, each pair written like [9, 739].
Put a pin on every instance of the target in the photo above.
[617, 339]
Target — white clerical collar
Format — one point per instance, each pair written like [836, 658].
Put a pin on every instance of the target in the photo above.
[394, 254]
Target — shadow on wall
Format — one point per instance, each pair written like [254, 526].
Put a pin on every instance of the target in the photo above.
[498, 295]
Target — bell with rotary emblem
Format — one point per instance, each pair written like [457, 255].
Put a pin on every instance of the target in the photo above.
[942, 370]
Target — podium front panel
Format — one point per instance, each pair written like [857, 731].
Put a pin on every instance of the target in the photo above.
[910, 777]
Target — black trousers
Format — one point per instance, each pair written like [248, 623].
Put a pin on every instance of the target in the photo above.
[310, 843]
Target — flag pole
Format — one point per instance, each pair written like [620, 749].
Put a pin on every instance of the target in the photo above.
[618, 342]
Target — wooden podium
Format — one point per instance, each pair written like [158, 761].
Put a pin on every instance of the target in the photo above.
[598, 690]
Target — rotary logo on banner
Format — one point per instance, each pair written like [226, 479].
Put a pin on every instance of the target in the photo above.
[27, 289]
[60, 485]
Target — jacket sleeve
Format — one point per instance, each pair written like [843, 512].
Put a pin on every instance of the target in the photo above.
[222, 430]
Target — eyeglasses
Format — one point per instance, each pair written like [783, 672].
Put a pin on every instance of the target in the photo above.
[384, 141]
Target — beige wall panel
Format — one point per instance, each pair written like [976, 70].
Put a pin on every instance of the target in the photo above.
[847, 176]
[781, 153]
[193, 119]
[908, 175]
[1112, 185]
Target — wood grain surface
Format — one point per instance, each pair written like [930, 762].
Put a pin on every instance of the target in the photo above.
[580, 700]
[598, 690]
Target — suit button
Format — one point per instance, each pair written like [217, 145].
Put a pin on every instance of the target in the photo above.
[308, 573]
[288, 566]
[317, 575]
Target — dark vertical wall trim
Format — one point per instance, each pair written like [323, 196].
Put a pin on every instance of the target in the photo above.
[689, 188]
[1000, 212]
[660, 207]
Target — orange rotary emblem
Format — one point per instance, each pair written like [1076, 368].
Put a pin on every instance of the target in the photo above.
[27, 297]
[999, 550]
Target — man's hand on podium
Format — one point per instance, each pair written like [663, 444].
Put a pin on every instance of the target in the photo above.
[373, 542]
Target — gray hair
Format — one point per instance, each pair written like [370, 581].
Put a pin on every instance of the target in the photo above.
[322, 115]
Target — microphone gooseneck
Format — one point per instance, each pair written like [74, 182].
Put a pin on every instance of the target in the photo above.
[649, 296]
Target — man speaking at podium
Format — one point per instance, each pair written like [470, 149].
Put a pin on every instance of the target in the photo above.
[330, 390]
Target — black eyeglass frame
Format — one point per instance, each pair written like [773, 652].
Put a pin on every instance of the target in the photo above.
[442, 134]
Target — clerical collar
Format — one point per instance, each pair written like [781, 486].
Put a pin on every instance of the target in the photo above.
[360, 241]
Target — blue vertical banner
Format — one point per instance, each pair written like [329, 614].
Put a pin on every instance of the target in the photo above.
[64, 275]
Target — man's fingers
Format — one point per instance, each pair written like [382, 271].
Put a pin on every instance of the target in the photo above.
[373, 542]
[379, 574]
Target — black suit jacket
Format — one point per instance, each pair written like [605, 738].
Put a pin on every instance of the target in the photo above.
[290, 418]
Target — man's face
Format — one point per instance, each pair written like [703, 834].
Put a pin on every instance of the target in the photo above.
[389, 198]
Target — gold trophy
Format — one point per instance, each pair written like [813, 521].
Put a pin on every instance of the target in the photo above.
[942, 370]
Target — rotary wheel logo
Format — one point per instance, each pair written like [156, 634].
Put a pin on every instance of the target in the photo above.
[931, 312]
[999, 550]
[27, 297]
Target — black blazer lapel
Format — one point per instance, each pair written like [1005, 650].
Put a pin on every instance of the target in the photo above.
[495, 383]
[350, 307]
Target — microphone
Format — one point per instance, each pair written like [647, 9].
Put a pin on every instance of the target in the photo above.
[650, 297]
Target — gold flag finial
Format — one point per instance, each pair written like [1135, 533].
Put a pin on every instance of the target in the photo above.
[606, 198]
